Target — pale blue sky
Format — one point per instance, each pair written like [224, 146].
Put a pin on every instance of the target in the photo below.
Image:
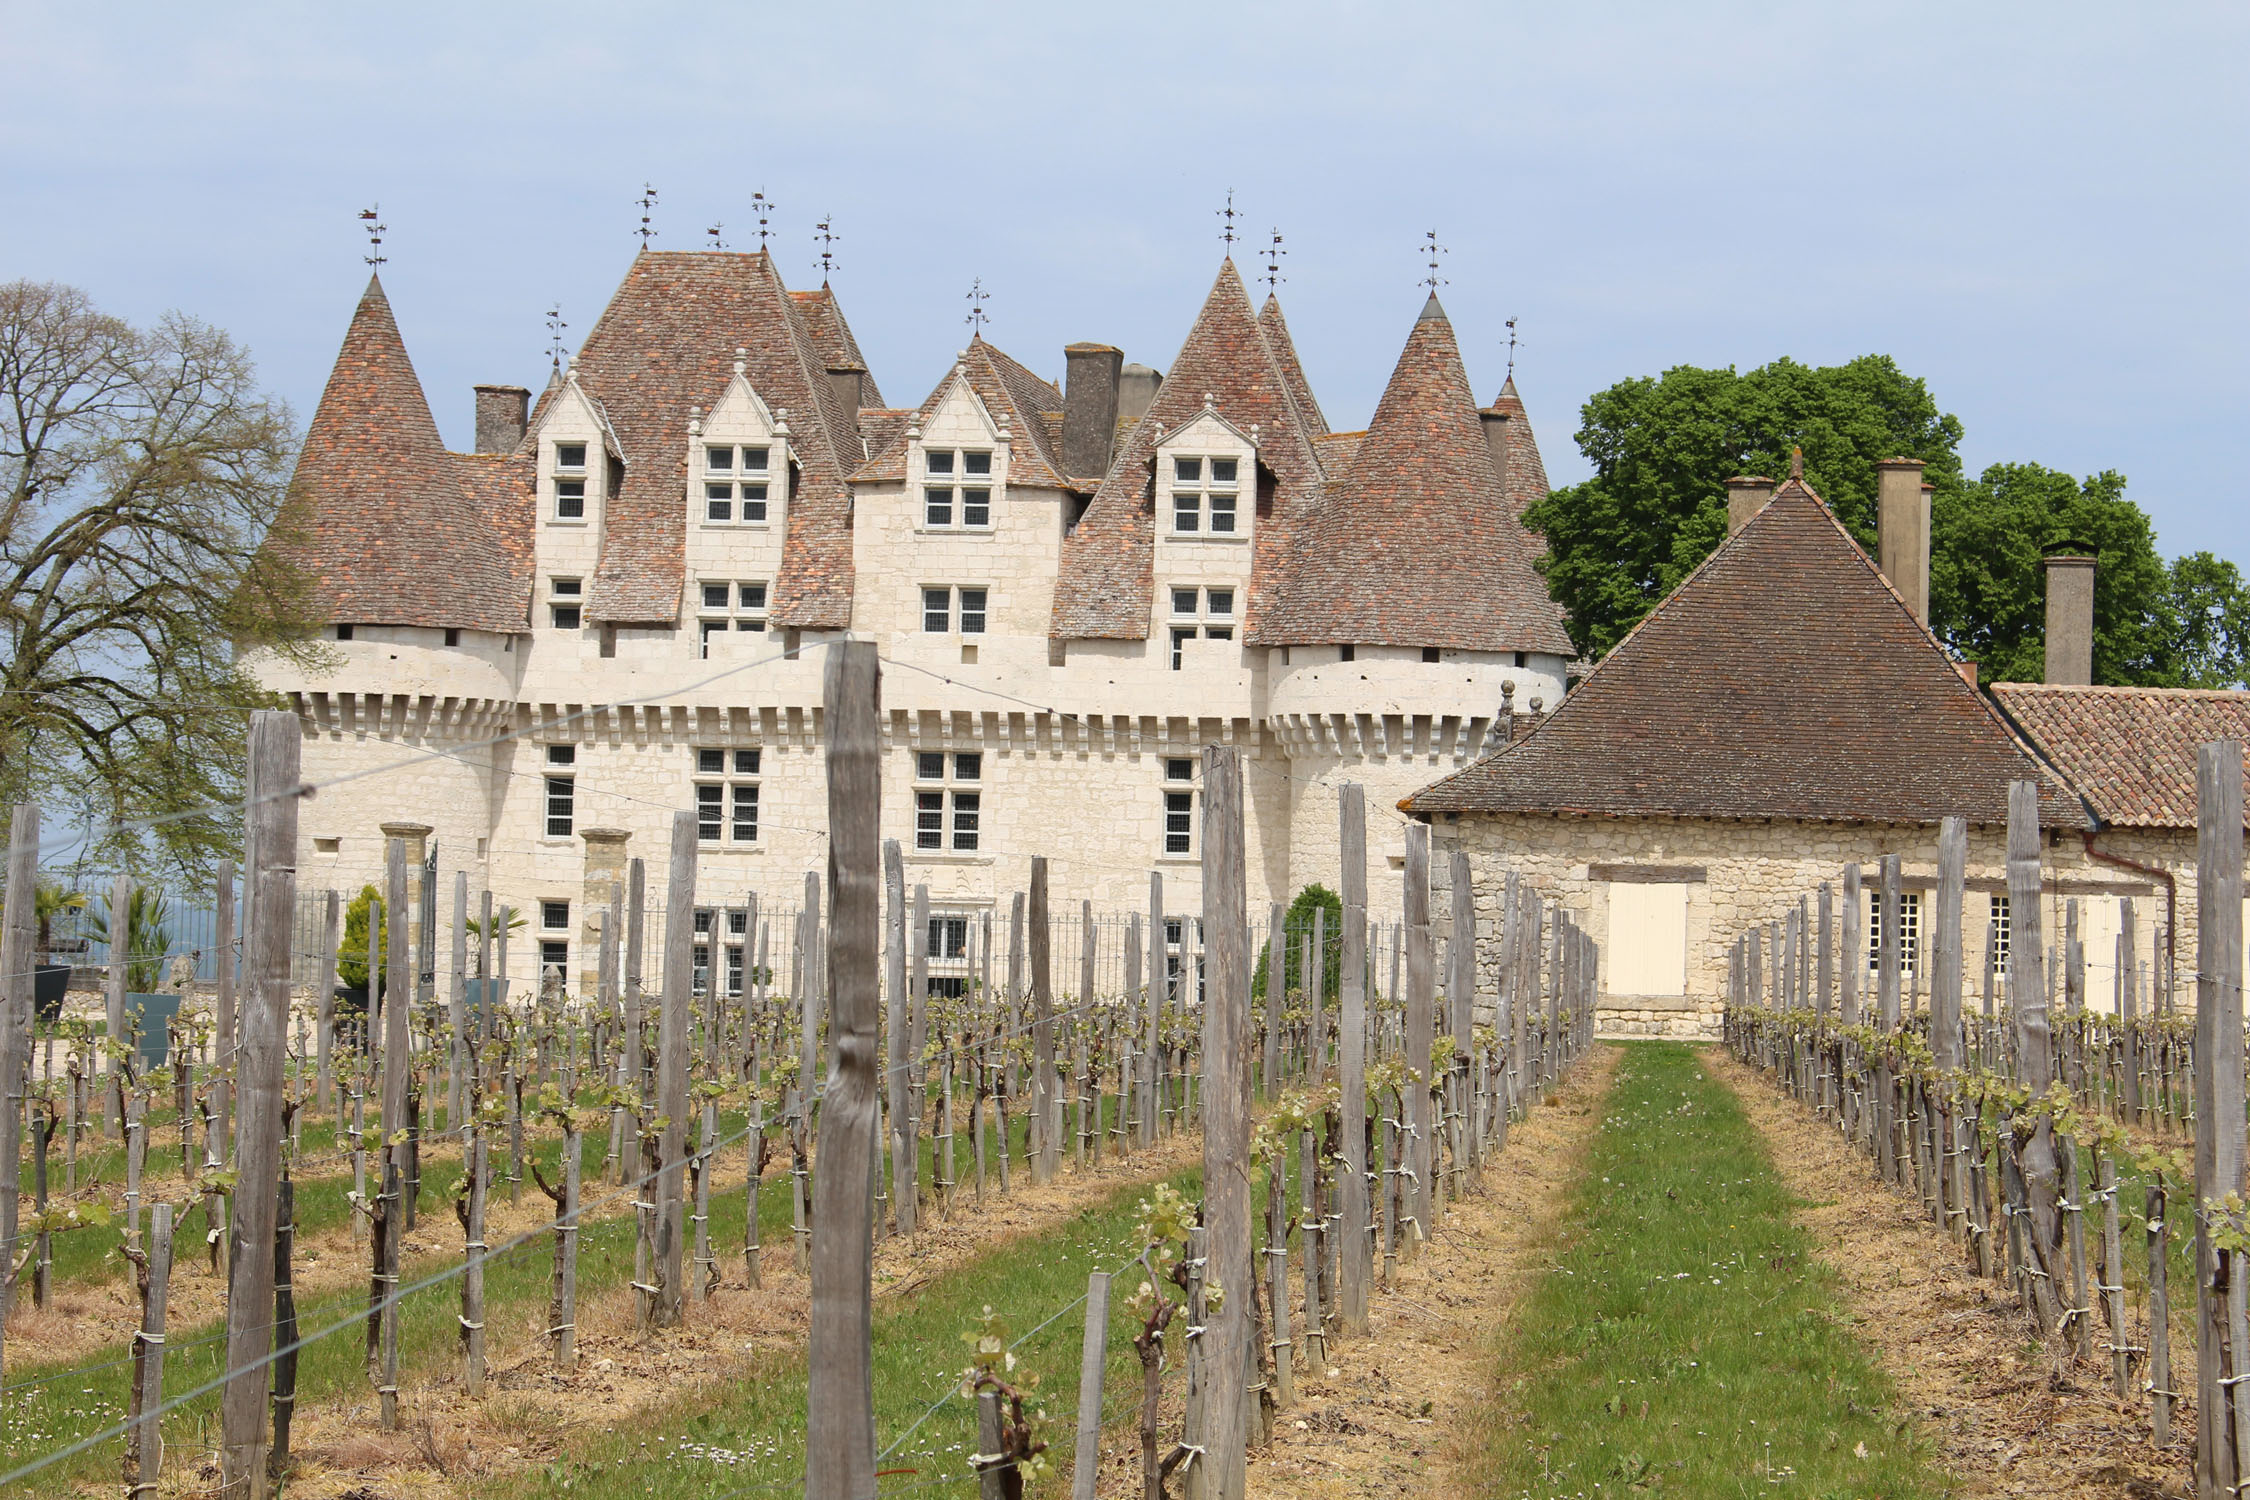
[2039, 208]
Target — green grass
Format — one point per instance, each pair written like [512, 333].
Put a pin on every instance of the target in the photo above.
[1687, 1341]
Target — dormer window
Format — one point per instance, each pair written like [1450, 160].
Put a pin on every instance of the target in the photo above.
[734, 485]
[1205, 495]
[564, 598]
[570, 481]
[957, 489]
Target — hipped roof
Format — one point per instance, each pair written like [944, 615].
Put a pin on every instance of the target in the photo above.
[1784, 678]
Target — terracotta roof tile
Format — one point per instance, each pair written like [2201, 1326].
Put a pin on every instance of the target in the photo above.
[1784, 678]
[832, 336]
[1416, 544]
[503, 486]
[1105, 590]
[1016, 399]
[383, 522]
[665, 343]
[2129, 751]
[1284, 348]
[1527, 472]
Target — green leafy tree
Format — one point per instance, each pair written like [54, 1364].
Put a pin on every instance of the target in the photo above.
[141, 469]
[1664, 448]
[1299, 922]
[351, 956]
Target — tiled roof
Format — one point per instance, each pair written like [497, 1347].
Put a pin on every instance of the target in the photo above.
[379, 516]
[1105, 590]
[832, 336]
[665, 343]
[1527, 472]
[1784, 678]
[1416, 544]
[2129, 751]
[503, 486]
[1017, 400]
[1337, 449]
[1292, 370]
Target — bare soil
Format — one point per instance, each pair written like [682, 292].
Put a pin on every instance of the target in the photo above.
[1379, 1419]
[2008, 1415]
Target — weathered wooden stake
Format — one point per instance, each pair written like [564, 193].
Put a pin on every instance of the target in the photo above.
[1091, 1358]
[2218, 1096]
[673, 1022]
[1357, 1264]
[1231, 1361]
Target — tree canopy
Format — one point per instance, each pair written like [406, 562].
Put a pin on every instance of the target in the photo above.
[140, 472]
[1664, 447]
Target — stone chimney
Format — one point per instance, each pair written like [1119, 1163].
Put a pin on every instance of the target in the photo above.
[845, 383]
[1137, 386]
[502, 411]
[1496, 438]
[1747, 494]
[2070, 618]
[1902, 527]
[1090, 380]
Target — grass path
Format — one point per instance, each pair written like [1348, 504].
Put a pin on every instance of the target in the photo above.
[1687, 1340]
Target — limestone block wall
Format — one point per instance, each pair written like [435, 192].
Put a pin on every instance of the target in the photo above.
[1739, 875]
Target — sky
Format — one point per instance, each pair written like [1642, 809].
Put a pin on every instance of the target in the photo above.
[2039, 209]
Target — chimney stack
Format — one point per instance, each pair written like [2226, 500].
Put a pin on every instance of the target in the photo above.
[844, 383]
[1089, 408]
[2070, 618]
[1747, 494]
[1902, 529]
[1496, 432]
[502, 412]
[1136, 391]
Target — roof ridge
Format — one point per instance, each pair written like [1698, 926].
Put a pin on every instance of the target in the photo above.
[2122, 689]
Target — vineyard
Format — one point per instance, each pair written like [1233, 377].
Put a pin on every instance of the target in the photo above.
[904, 1198]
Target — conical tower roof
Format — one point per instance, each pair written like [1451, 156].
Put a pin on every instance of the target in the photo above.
[1276, 329]
[1526, 478]
[1415, 546]
[1784, 678]
[379, 514]
[1105, 590]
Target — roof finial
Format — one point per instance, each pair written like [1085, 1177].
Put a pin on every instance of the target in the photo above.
[825, 235]
[1430, 244]
[1511, 348]
[647, 201]
[763, 207]
[718, 237]
[1274, 252]
[1797, 463]
[373, 219]
[555, 327]
[976, 319]
[1229, 215]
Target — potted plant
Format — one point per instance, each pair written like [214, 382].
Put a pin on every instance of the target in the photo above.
[148, 941]
[51, 982]
[507, 921]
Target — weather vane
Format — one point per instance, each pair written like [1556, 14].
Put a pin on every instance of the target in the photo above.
[976, 319]
[647, 200]
[555, 327]
[1511, 348]
[764, 208]
[1229, 215]
[718, 236]
[1274, 252]
[1429, 243]
[373, 219]
[827, 238]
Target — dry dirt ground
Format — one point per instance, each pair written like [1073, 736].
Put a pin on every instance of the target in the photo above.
[2005, 1418]
[1376, 1420]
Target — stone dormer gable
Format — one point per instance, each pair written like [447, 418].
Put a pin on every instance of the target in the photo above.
[1415, 545]
[568, 406]
[379, 516]
[1784, 678]
[1011, 398]
[1107, 577]
[740, 459]
[665, 345]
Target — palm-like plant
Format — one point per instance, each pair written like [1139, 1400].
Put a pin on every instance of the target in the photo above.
[53, 899]
[148, 936]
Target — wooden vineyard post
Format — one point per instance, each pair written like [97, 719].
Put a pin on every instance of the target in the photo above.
[284, 1327]
[391, 1159]
[1421, 1023]
[1357, 1260]
[1460, 986]
[1152, 1014]
[1136, 1024]
[17, 938]
[113, 987]
[992, 1472]
[457, 1008]
[2036, 1160]
[1888, 922]
[903, 1166]
[144, 1449]
[673, 1022]
[1277, 984]
[1228, 1357]
[1086, 1141]
[1086, 1468]
[1046, 1100]
[1945, 1012]
[840, 1398]
[275, 741]
[324, 1003]
[2218, 1110]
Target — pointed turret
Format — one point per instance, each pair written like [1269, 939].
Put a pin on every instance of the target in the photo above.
[1524, 473]
[1107, 577]
[1416, 545]
[1276, 329]
[377, 510]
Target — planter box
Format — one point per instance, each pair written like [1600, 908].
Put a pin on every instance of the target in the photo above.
[153, 1015]
[49, 986]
